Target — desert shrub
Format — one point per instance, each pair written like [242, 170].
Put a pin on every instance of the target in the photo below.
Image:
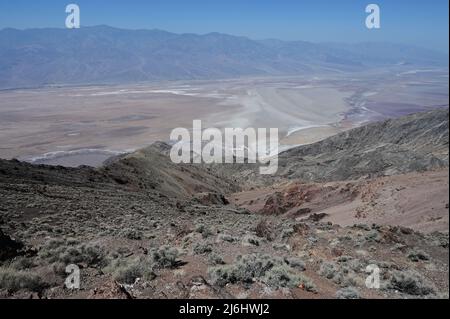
[362, 227]
[348, 293]
[222, 275]
[398, 247]
[216, 259]
[281, 246]
[91, 255]
[287, 233]
[130, 273]
[418, 255]
[131, 234]
[342, 275]
[227, 238]
[165, 257]
[71, 252]
[22, 263]
[411, 283]
[245, 269]
[282, 276]
[202, 249]
[373, 235]
[250, 268]
[250, 240]
[200, 228]
[14, 281]
[438, 239]
[204, 230]
[126, 272]
[295, 263]
[312, 240]
[328, 270]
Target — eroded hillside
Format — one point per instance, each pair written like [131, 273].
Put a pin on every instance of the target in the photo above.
[142, 227]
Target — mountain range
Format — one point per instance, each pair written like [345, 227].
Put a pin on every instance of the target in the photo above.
[106, 55]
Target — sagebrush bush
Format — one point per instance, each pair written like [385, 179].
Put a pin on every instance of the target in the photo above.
[227, 238]
[14, 281]
[295, 263]
[342, 275]
[418, 255]
[250, 268]
[282, 276]
[22, 263]
[204, 230]
[348, 293]
[203, 249]
[287, 233]
[216, 259]
[127, 271]
[72, 252]
[131, 234]
[410, 282]
[245, 269]
[165, 257]
[250, 240]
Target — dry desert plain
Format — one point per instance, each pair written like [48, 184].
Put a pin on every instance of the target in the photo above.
[74, 126]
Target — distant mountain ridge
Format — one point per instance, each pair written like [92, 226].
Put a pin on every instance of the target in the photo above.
[103, 55]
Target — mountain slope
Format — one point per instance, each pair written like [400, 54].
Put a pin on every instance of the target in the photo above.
[137, 229]
[102, 54]
[413, 143]
[417, 142]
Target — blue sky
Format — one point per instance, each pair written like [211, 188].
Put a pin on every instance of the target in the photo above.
[419, 22]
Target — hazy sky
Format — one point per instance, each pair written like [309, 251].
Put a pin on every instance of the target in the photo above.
[419, 22]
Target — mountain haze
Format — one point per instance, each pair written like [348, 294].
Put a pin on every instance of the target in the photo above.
[102, 55]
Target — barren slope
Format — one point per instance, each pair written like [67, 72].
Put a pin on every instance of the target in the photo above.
[143, 227]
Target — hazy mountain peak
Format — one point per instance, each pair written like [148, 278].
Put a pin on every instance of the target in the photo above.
[103, 54]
